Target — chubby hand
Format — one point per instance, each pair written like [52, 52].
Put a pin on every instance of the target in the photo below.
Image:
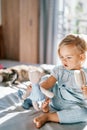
[45, 105]
[84, 90]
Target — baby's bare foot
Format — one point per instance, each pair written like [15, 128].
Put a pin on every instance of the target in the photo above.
[41, 120]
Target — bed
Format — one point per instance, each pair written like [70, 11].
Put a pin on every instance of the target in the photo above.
[14, 117]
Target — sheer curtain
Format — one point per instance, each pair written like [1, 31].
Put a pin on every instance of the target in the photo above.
[47, 8]
[49, 18]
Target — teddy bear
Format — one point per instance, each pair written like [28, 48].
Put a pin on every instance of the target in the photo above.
[34, 93]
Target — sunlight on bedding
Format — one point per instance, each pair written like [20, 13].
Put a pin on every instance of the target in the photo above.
[6, 91]
[11, 115]
[85, 128]
[12, 108]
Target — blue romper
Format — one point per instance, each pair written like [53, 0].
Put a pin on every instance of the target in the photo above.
[68, 101]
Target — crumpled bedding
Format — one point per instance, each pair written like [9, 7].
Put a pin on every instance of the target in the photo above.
[14, 117]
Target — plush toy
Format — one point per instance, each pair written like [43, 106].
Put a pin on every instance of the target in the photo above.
[37, 95]
[80, 78]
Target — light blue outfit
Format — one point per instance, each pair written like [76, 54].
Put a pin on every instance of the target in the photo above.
[68, 101]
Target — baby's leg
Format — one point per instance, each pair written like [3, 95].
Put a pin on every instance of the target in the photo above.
[45, 117]
[73, 115]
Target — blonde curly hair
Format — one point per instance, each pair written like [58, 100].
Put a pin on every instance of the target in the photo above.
[74, 40]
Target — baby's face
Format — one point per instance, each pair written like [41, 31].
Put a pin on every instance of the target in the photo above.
[70, 57]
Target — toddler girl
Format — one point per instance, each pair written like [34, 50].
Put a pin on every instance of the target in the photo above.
[68, 105]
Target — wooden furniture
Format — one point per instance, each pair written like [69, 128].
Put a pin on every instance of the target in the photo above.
[20, 21]
[1, 43]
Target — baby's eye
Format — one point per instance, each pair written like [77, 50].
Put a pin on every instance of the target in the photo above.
[69, 57]
[61, 57]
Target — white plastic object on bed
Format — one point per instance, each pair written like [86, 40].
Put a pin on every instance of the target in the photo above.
[80, 78]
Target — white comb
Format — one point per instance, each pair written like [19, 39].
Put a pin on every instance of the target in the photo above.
[80, 78]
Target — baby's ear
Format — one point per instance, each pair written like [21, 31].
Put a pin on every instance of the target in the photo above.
[47, 92]
[82, 56]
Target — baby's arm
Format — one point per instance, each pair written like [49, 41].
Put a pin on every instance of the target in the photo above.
[48, 83]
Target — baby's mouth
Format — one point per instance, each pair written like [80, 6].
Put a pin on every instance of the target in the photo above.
[65, 65]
